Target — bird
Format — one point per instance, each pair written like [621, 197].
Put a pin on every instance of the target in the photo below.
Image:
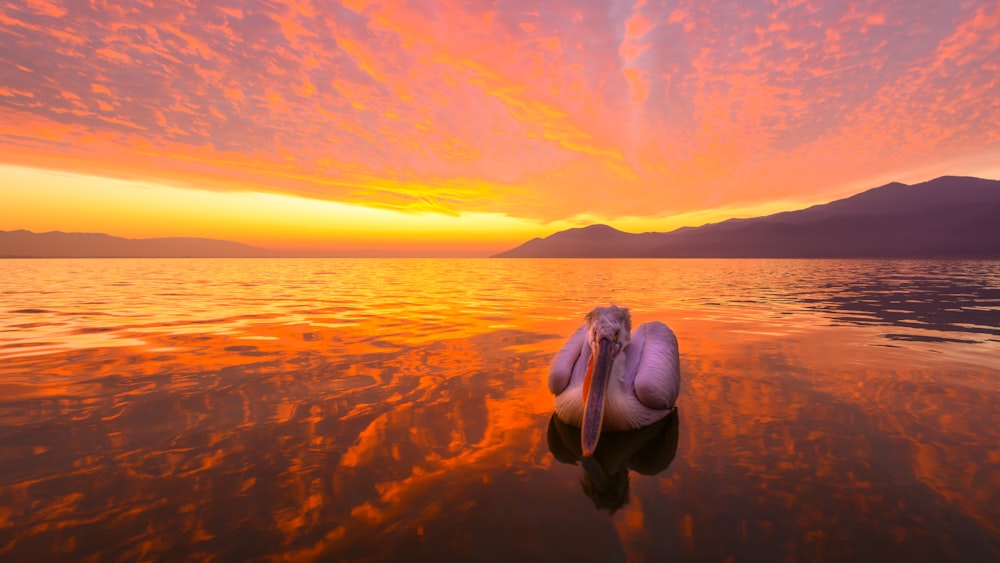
[607, 377]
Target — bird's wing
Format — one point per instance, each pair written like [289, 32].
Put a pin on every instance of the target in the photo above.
[574, 352]
[655, 369]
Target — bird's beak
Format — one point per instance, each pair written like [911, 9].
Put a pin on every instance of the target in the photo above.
[595, 387]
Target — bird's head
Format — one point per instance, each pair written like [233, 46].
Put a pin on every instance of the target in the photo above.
[608, 331]
[611, 323]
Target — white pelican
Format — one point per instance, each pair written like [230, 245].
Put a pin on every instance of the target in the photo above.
[608, 377]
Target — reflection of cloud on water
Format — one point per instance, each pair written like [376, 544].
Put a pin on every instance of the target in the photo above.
[605, 479]
[279, 445]
[812, 437]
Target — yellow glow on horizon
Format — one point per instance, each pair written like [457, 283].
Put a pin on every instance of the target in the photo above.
[48, 200]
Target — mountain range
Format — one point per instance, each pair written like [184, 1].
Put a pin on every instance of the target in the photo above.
[56, 244]
[950, 216]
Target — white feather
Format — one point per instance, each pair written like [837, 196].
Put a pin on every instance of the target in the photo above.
[645, 376]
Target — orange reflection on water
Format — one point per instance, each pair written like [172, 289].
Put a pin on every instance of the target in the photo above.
[861, 425]
[296, 415]
[359, 409]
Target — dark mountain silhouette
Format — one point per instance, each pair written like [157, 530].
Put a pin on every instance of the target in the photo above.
[26, 244]
[947, 217]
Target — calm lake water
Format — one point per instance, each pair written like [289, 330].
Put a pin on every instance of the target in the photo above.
[372, 410]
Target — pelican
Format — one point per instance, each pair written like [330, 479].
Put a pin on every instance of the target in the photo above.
[608, 377]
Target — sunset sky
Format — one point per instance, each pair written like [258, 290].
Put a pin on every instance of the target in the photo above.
[466, 128]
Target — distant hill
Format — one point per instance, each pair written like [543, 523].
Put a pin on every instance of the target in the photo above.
[26, 244]
[947, 217]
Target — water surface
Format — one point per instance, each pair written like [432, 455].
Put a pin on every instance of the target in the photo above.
[397, 410]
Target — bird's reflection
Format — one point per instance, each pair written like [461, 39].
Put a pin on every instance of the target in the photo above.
[648, 451]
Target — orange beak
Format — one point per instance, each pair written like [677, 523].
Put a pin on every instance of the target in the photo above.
[595, 388]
